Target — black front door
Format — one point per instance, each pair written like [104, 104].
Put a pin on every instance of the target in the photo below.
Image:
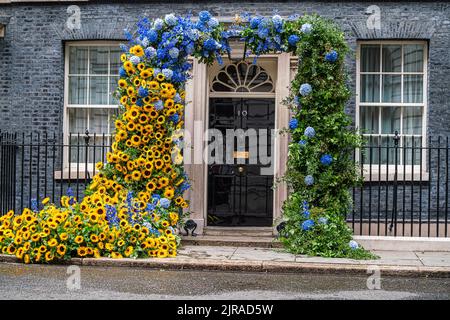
[239, 193]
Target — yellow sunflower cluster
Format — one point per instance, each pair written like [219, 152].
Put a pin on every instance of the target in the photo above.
[132, 205]
[80, 230]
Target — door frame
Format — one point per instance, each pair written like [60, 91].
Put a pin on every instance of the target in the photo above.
[196, 122]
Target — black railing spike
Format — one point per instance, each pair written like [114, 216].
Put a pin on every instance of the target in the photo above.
[87, 137]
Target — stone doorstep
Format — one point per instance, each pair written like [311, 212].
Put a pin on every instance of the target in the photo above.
[254, 266]
[384, 243]
[232, 241]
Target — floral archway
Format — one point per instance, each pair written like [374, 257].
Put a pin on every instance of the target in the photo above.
[135, 202]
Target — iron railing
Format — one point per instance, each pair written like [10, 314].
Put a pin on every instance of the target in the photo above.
[405, 190]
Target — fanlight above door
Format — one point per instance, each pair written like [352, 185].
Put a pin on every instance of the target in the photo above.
[242, 77]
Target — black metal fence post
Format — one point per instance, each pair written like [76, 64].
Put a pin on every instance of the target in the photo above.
[394, 195]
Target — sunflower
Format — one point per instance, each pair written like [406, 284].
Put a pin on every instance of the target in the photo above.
[63, 236]
[122, 83]
[45, 201]
[136, 175]
[94, 238]
[116, 255]
[169, 192]
[49, 256]
[161, 119]
[52, 243]
[82, 251]
[160, 77]
[93, 217]
[61, 249]
[79, 239]
[162, 254]
[128, 251]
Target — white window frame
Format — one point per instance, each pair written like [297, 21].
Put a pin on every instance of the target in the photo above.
[73, 165]
[386, 171]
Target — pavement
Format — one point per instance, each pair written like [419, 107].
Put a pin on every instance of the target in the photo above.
[34, 282]
[275, 260]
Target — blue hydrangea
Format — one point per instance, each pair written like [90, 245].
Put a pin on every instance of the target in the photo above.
[306, 28]
[310, 132]
[145, 42]
[305, 89]
[326, 159]
[175, 118]
[70, 193]
[177, 98]
[277, 22]
[150, 52]
[170, 19]
[353, 244]
[204, 16]
[309, 180]
[331, 56]
[306, 213]
[302, 143]
[323, 220]
[164, 202]
[297, 100]
[307, 224]
[213, 22]
[293, 124]
[167, 73]
[159, 105]
[123, 47]
[135, 59]
[193, 34]
[305, 205]
[184, 186]
[156, 70]
[293, 39]
[142, 92]
[150, 207]
[254, 22]
[122, 72]
[111, 215]
[34, 205]
[152, 35]
[211, 44]
[174, 52]
[158, 24]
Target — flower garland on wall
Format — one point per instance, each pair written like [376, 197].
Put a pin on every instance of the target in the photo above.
[133, 205]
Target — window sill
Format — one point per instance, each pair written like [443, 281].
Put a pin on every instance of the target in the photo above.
[407, 177]
[73, 175]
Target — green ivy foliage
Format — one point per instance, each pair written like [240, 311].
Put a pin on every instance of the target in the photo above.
[329, 196]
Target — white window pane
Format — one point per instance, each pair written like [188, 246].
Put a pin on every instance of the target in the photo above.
[392, 88]
[413, 88]
[115, 60]
[371, 154]
[77, 150]
[112, 87]
[412, 150]
[390, 119]
[413, 58]
[369, 119]
[98, 60]
[370, 88]
[98, 90]
[388, 151]
[412, 120]
[392, 58]
[77, 90]
[78, 60]
[78, 118]
[370, 58]
[98, 121]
